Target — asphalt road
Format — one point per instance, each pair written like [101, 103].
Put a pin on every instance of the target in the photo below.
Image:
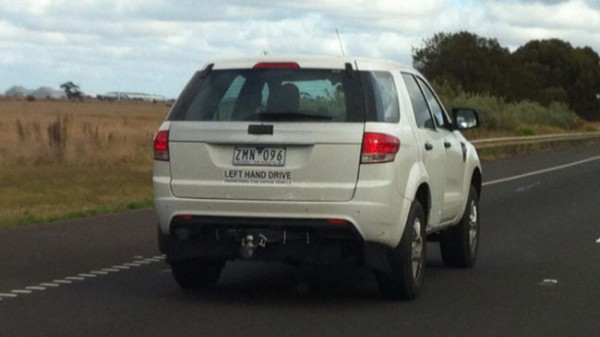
[538, 274]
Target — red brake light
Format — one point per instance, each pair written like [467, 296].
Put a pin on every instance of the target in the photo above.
[161, 146]
[277, 65]
[379, 148]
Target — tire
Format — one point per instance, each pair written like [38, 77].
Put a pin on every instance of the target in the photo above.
[459, 244]
[407, 260]
[196, 273]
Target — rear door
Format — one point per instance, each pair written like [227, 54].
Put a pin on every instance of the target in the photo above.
[431, 146]
[273, 131]
[454, 160]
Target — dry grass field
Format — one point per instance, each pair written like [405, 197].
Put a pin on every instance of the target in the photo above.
[61, 158]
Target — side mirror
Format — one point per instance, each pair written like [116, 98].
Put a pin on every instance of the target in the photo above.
[465, 118]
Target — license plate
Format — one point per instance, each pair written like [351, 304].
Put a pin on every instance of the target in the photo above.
[258, 156]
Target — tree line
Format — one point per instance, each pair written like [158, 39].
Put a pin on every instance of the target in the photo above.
[544, 71]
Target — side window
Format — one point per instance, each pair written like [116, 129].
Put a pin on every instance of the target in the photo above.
[419, 103]
[386, 97]
[436, 108]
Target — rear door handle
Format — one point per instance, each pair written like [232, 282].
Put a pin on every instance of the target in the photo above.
[447, 144]
[428, 146]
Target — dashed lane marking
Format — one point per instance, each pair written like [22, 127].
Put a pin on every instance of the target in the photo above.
[598, 241]
[110, 270]
[139, 261]
[50, 285]
[62, 281]
[35, 288]
[8, 295]
[121, 267]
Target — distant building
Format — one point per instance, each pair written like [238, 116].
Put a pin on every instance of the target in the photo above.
[131, 96]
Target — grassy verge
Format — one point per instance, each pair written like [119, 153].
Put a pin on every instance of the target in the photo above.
[42, 193]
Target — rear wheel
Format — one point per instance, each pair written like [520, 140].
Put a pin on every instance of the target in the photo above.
[407, 260]
[459, 244]
[196, 273]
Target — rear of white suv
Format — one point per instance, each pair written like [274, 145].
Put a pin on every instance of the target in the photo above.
[307, 160]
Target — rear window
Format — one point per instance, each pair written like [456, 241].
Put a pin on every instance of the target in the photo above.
[320, 95]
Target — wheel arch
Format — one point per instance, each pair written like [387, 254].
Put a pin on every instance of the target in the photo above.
[423, 196]
[476, 180]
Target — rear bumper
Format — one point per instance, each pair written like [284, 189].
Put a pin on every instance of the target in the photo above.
[294, 240]
[369, 221]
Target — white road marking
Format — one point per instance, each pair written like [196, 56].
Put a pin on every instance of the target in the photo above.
[528, 187]
[598, 241]
[62, 281]
[548, 282]
[110, 270]
[534, 173]
[143, 262]
[51, 285]
[139, 262]
[121, 267]
[35, 288]
[8, 295]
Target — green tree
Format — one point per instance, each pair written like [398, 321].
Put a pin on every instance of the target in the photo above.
[545, 71]
[464, 59]
[72, 91]
[553, 70]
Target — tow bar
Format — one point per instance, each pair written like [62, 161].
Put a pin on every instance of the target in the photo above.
[251, 241]
[250, 244]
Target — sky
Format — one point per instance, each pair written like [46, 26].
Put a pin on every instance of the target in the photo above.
[154, 46]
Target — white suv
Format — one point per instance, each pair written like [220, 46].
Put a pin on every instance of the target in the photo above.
[321, 160]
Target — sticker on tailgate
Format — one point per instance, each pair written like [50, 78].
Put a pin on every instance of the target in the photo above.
[257, 177]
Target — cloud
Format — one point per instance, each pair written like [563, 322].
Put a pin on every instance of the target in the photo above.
[155, 45]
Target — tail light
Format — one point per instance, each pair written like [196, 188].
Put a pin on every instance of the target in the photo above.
[379, 148]
[161, 146]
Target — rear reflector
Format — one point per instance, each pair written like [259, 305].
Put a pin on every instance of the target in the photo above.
[379, 148]
[184, 217]
[340, 222]
[161, 146]
[277, 65]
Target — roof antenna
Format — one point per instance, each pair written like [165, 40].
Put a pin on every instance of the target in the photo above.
[340, 42]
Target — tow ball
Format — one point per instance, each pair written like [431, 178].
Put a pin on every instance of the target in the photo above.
[250, 243]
